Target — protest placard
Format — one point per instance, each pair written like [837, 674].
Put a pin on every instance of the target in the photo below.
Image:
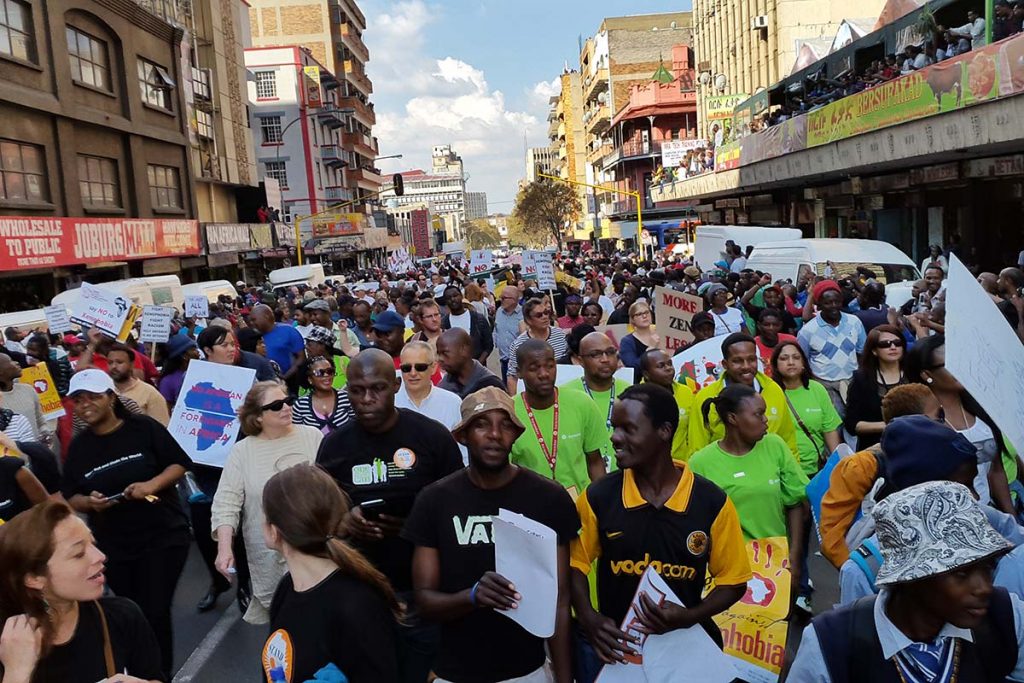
[205, 418]
[38, 377]
[545, 271]
[675, 310]
[57, 320]
[574, 284]
[702, 363]
[104, 309]
[197, 306]
[529, 266]
[156, 324]
[480, 260]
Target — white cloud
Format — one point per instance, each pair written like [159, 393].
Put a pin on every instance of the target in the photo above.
[424, 99]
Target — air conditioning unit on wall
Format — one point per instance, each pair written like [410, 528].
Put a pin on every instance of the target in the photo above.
[758, 22]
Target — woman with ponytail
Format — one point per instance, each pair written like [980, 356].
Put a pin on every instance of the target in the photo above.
[757, 470]
[332, 607]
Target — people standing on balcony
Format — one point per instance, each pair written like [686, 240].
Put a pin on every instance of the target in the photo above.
[971, 34]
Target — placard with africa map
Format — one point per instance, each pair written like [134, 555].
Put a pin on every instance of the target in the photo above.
[205, 418]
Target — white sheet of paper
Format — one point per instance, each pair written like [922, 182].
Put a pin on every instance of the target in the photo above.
[526, 553]
[659, 655]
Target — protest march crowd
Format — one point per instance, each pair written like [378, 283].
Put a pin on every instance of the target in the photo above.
[634, 488]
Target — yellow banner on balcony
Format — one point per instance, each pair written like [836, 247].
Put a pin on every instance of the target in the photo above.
[311, 83]
[335, 224]
[721, 106]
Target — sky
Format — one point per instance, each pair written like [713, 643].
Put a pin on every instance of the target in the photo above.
[477, 74]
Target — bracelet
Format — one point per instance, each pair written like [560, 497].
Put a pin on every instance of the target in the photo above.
[472, 593]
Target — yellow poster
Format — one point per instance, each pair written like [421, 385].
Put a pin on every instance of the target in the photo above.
[312, 82]
[574, 284]
[134, 313]
[754, 629]
[38, 377]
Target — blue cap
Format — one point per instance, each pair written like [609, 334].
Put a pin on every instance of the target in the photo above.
[919, 450]
[388, 321]
[178, 344]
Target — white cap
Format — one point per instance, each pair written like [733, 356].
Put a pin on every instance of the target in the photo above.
[94, 381]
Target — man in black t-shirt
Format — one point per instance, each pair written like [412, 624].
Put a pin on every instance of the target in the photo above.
[386, 456]
[454, 562]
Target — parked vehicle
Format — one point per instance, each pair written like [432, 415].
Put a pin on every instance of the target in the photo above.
[161, 290]
[711, 239]
[311, 274]
[211, 289]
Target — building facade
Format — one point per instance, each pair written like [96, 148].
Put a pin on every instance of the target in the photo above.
[566, 132]
[540, 160]
[94, 153]
[331, 30]
[476, 205]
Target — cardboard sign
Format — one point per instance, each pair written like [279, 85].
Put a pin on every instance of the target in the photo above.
[205, 418]
[754, 629]
[104, 309]
[480, 260]
[675, 310]
[545, 271]
[38, 377]
[57, 319]
[574, 284]
[197, 306]
[529, 270]
[156, 324]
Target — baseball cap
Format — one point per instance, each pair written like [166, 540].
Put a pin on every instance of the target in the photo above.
[699, 319]
[71, 339]
[692, 271]
[921, 449]
[486, 400]
[178, 344]
[388, 321]
[92, 380]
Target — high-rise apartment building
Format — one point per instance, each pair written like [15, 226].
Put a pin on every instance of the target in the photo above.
[566, 132]
[476, 205]
[540, 160]
[332, 32]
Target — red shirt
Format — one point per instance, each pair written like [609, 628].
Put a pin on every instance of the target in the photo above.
[766, 354]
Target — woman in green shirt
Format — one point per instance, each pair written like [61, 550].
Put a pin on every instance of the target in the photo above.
[757, 471]
[817, 422]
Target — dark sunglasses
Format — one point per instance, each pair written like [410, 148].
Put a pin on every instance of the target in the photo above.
[420, 367]
[276, 406]
[889, 343]
[324, 372]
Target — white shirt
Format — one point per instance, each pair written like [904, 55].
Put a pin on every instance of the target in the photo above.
[738, 264]
[728, 322]
[460, 321]
[303, 330]
[976, 29]
[440, 405]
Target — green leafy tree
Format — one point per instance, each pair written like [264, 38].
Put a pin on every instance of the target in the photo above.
[545, 205]
[520, 235]
[482, 235]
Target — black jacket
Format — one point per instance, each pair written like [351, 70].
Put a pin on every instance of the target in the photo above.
[479, 332]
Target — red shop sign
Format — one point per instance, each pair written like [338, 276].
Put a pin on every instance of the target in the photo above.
[33, 242]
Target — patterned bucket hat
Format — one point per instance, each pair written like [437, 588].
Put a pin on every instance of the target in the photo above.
[930, 529]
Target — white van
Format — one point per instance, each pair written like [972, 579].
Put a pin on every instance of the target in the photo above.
[211, 289]
[711, 239]
[789, 260]
[311, 274]
[26, 321]
[161, 290]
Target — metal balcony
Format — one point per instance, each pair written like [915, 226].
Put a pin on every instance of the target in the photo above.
[332, 156]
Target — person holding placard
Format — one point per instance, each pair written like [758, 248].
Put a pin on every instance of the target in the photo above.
[454, 563]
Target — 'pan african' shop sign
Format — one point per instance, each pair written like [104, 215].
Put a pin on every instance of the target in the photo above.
[32, 242]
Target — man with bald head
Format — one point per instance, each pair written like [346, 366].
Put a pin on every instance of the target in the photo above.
[600, 360]
[285, 345]
[466, 375]
[383, 459]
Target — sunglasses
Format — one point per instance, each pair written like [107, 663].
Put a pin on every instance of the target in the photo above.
[420, 367]
[324, 372]
[276, 406]
[889, 343]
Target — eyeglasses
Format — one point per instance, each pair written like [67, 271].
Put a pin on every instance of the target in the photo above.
[276, 406]
[889, 343]
[324, 372]
[420, 367]
[594, 355]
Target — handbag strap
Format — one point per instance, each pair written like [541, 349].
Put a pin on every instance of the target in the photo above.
[796, 416]
[108, 652]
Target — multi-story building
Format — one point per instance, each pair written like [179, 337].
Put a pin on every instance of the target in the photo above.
[332, 32]
[742, 47]
[444, 191]
[443, 159]
[540, 160]
[568, 140]
[476, 205]
[412, 223]
[96, 183]
[623, 53]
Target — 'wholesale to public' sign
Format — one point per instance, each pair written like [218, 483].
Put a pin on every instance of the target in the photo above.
[32, 242]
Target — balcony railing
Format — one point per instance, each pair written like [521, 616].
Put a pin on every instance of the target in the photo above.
[350, 37]
[363, 144]
[367, 176]
[355, 74]
[332, 156]
[331, 116]
[363, 110]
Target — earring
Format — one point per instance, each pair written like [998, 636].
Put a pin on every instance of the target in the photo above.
[928, 380]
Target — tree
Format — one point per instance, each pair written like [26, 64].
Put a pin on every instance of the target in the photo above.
[480, 234]
[548, 206]
[519, 235]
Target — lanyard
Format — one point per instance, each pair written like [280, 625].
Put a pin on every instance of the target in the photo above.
[611, 400]
[549, 453]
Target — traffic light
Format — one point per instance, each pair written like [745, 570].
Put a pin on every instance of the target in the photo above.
[399, 184]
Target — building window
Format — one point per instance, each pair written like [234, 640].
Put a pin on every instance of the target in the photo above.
[97, 178]
[16, 37]
[270, 127]
[266, 85]
[155, 84]
[21, 172]
[164, 187]
[278, 171]
[89, 63]
[204, 124]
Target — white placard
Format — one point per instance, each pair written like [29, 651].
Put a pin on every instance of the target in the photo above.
[205, 418]
[526, 553]
[529, 267]
[104, 309]
[990, 365]
[480, 260]
[545, 271]
[703, 363]
[156, 324]
[673, 152]
[197, 306]
[57, 319]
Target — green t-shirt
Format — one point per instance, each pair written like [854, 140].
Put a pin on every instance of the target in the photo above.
[819, 415]
[581, 430]
[603, 399]
[761, 484]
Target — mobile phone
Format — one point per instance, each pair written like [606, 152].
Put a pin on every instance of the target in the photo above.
[372, 509]
[115, 498]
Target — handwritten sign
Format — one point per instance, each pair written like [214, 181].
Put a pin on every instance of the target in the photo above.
[197, 306]
[480, 261]
[101, 308]
[675, 310]
[545, 271]
[57, 319]
[38, 377]
[156, 324]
